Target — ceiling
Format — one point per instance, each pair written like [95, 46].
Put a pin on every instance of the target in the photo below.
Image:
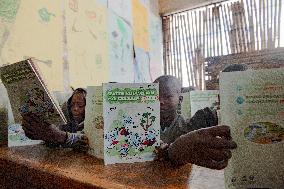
[169, 6]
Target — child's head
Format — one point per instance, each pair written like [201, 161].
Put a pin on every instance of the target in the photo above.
[77, 103]
[169, 89]
[235, 67]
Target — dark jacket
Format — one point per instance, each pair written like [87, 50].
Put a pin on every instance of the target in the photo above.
[201, 119]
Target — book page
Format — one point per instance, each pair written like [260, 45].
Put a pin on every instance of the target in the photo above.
[132, 122]
[252, 105]
[94, 121]
[185, 105]
[203, 99]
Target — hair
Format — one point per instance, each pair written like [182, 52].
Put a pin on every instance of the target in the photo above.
[235, 67]
[187, 89]
[169, 80]
[76, 91]
[79, 91]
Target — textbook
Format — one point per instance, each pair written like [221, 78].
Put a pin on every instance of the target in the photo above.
[202, 99]
[131, 122]
[28, 92]
[252, 104]
[185, 105]
[94, 121]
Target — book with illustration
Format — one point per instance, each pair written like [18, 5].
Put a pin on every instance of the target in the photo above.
[131, 122]
[252, 104]
[28, 92]
[94, 121]
[203, 99]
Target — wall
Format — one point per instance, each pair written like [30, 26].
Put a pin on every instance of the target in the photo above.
[263, 59]
[169, 6]
[86, 42]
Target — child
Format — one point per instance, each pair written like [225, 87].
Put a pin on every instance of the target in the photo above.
[173, 124]
[66, 135]
[185, 141]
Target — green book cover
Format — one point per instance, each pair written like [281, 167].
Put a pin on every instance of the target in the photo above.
[131, 122]
[28, 92]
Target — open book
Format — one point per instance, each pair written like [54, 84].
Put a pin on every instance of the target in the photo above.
[252, 104]
[28, 92]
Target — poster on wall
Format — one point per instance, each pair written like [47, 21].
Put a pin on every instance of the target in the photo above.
[102, 2]
[156, 55]
[8, 13]
[140, 25]
[37, 32]
[120, 49]
[87, 37]
[131, 122]
[142, 73]
[121, 8]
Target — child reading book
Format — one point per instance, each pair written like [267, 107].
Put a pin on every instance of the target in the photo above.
[183, 142]
[67, 135]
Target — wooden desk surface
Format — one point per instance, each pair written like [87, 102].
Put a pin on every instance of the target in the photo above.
[42, 167]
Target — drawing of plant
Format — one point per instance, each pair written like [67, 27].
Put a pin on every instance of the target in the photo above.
[147, 120]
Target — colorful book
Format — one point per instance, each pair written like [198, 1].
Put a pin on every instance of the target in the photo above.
[28, 92]
[131, 122]
[94, 121]
[252, 104]
[203, 99]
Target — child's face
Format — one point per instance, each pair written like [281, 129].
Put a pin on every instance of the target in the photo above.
[169, 99]
[78, 107]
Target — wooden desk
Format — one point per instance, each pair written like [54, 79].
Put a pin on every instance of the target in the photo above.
[41, 167]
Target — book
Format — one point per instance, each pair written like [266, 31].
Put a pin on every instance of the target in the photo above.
[252, 104]
[94, 121]
[3, 126]
[17, 137]
[203, 99]
[28, 92]
[131, 122]
[185, 105]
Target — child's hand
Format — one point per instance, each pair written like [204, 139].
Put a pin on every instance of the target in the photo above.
[82, 144]
[38, 129]
[209, 147]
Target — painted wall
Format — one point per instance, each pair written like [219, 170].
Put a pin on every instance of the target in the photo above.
[83, 43]
[169, 6]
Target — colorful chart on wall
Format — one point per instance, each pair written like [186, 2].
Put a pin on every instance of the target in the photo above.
[121, 8]
[87, 43]
[37, 32]
[142, 72]
[120, 49]
[8, 13]
[140, 25]
[132, 122]
[102, 2]
[156, 44]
